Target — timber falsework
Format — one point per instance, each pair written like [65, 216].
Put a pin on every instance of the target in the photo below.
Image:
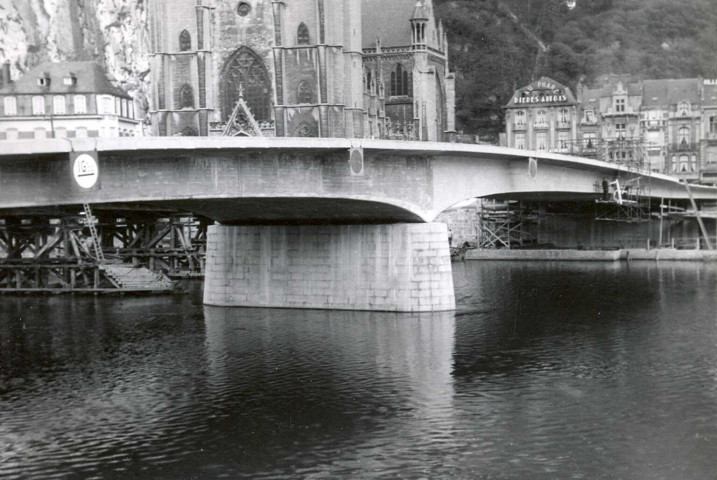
[138, 252]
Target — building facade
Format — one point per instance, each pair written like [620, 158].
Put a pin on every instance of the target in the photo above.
[542, 116]
[667, 126]
[65, 100]
[311, 68]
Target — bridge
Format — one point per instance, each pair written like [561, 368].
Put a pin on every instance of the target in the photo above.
[312, 223]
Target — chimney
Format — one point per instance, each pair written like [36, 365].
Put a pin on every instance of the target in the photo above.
[5, 74]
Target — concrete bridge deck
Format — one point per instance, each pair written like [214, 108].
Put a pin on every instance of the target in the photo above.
[309, 223]
[299, 181]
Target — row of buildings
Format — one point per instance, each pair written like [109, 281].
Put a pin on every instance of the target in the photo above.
[350, 68]
[667, 126]
[311, 68]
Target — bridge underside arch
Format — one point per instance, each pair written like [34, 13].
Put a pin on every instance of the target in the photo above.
[296, 211]
[250, 210]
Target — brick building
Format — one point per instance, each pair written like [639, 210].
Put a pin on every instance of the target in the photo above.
[328, 68]
[65, 100]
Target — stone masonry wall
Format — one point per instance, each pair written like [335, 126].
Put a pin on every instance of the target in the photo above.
[401, 267]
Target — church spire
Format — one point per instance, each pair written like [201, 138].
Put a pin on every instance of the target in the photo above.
[419, 20]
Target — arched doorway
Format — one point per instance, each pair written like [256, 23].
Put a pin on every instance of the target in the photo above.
[245, 74]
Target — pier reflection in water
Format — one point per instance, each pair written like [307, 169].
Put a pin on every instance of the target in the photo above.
[545, 371]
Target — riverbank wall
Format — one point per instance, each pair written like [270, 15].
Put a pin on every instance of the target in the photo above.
[632, 254]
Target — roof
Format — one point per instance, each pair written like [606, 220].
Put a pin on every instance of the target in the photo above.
[544, 92]
[420, 12]
[391, 21]
[593, 94]
[91, 78]
[671, 92]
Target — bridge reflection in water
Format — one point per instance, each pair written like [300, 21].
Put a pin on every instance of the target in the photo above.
[319, 380]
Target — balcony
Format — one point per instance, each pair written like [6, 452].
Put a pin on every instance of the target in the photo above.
[564, 125]
[519, 126]
[541, 125]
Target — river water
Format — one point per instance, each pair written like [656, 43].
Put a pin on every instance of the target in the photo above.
[545, 371]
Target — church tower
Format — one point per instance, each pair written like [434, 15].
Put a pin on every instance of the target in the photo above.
[180, 62]
[317, 57]
[313, 68]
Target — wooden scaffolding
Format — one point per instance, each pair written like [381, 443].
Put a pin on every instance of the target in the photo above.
[506, 224]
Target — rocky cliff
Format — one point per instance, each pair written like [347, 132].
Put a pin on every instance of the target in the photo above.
[112, 32]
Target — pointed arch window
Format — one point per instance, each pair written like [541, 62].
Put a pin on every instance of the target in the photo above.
[302, 35]
[400, 84]
[245, 73]
[186, 96]
[185, 41]
[305, 94]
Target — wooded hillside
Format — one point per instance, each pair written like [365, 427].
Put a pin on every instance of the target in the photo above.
[497, 46]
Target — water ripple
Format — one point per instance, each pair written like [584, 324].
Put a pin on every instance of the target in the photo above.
[546, 371]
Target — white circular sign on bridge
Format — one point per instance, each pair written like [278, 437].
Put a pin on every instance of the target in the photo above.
[85, 170]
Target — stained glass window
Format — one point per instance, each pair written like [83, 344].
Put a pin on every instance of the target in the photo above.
[305, 93]
[400, 84]
[302, 36]
[185, 41]
[186, 97]
[243, 9]
[245, 74]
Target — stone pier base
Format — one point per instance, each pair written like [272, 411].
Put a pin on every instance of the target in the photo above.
[401, 268]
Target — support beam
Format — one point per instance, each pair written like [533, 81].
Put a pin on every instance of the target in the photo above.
[398, 267]
[705, 235]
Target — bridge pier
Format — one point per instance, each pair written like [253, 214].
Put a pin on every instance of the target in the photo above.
[396, 267]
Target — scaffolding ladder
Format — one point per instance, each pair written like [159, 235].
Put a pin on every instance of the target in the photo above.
[91, 221]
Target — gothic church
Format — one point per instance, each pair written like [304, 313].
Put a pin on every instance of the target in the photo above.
[309, 68]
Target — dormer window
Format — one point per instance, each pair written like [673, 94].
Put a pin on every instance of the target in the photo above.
[683, 109]
[44, 80]
[70, 79]
[619, 104]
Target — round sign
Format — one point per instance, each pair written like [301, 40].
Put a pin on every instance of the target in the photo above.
[356, 161]
[85, 171]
